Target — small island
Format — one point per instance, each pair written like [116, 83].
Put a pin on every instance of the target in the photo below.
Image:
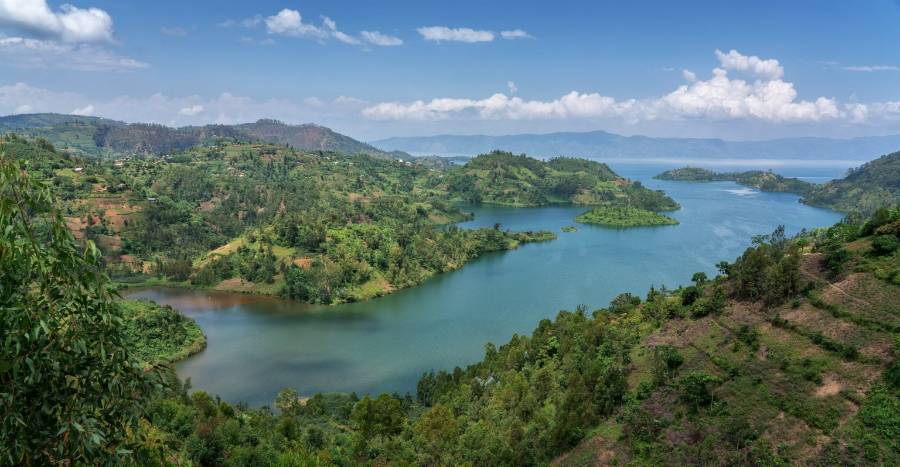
[761, 180]
[569, 229]
[624, 216]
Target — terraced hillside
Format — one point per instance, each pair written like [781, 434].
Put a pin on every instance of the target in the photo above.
[802, 382]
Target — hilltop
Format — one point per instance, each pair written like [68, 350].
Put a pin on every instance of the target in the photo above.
[96, 136]
[518, 180]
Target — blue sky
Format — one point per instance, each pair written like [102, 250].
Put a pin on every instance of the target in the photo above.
[376, 69]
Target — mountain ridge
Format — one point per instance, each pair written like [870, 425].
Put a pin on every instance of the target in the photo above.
[98, 136]
[601, 144]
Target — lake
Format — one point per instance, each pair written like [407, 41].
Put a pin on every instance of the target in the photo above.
[259, 345]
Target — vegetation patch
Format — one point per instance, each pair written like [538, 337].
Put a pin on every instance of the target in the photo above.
[624, 216]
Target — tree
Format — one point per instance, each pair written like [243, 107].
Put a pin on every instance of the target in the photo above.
[70, 391]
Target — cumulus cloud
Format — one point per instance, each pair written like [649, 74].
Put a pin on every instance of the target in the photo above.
[515, 34]
[38, 53]
[377, 38]
[721, 97]
[69, 23]
[734, 60]
[443, 33]
[289, 23]
[512, 87]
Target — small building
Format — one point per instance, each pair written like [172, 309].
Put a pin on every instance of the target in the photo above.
[79, 169]
[151, 200]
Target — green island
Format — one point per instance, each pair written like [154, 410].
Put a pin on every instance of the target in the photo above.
[569, 229]
[761, 180]
[860, 193]
[789, 355]
[624, 216]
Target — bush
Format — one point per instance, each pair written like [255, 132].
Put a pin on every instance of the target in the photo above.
[885, 244]
[696, 390]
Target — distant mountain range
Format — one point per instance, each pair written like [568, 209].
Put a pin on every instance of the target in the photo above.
[603, 145]
[104, 137]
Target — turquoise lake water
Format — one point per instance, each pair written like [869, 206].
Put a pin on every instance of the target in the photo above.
[258, 345]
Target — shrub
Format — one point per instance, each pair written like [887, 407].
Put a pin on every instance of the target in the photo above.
[885, 244]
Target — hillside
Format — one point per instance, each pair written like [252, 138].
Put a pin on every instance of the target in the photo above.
[507, 179]
[320, 227]
[761, 180]
[603, 145]
[103, 137]
[788, 357]
[865, 189]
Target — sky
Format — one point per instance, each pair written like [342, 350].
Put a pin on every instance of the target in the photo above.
[743, 71]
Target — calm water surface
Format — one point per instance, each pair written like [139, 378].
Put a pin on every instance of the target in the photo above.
[258, 345]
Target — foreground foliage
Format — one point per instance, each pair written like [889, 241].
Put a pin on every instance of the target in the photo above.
[70, 389]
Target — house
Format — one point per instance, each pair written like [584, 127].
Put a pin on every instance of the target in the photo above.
[79, 169]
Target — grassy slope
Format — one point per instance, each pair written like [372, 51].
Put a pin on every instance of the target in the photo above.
[787, 389]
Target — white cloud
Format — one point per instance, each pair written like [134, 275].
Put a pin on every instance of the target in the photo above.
[515, 34]
[721, 97]
[377, 38]
[191, 111]
[332, 28]
[23, 109]
[443, 33]
[290, 23]
[69, 23]
[871, 68]
[512, 87]
[734, 60]
[37, 53]
[84, 111]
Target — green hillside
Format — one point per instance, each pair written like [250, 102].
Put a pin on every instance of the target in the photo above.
[788, 356]
[95, 136]
[507, 179]
[319, 227]
[864, 190]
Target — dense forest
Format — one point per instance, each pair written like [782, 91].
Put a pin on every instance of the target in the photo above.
[788, 355]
